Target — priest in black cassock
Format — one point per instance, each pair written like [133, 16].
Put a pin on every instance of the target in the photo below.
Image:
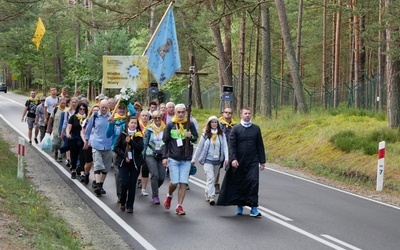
[247, 155]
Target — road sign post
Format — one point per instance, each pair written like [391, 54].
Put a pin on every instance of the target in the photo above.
[381, 166]
[21, 155]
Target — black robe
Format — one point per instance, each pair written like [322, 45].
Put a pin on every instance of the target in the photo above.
[240, 185]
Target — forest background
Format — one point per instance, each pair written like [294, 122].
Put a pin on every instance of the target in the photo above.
[317, 58]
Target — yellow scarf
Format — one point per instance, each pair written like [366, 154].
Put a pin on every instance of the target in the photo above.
[137, 134]
[118, 117]
[80, 117]
[180, 123]
[62, 109]
[214, 138]
[228, 125]
[156, 129]
[143, 127]
[34, 100]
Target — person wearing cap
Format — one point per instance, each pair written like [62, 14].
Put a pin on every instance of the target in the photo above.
[175, 156]
[247, 156]
[211, 152]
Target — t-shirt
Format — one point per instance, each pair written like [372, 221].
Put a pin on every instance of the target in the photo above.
[50, 103]
[31, 108]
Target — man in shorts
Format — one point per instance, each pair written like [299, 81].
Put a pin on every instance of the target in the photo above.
[30, 112]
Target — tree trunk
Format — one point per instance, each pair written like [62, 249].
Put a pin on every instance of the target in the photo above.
[336, 74]
[379, 98]
[228, 47]
[256, 58]
[242, 41]
[324, 75]
[357, 83]
[266, 85]
[392, 76]
[294, 67]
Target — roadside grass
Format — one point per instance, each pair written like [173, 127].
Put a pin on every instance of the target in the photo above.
[307, 142]
[43, 229]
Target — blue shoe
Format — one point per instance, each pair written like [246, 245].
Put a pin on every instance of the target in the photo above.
[239, 210]
[254, 212]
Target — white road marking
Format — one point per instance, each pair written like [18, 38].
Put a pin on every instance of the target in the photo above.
[142, 241]
[340, 242]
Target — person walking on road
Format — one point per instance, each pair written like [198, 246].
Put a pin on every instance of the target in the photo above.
[30, 112]
[246, 151]
[129, 147]
[175, 138]
[211, 152]
[101, 146]
[153, 154]
[39, 118]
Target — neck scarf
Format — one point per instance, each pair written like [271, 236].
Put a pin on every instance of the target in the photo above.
[180, 123]
[80, 117]
[227, 125]
[246, 124]
[35, 100]
[118, 117]
[214, 135]
[62, 109]
[134, 133]
[156, 129]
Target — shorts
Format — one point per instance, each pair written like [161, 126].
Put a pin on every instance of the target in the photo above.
[30, 121]
[88, 155]
[102, 160]
[178, 171]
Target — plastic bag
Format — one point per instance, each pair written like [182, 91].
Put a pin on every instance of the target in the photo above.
[47, 142]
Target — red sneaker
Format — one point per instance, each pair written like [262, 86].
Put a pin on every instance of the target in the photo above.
[179, 210]
[167, 202]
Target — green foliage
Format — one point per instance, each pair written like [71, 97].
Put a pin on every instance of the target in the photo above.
[348, 141]
[31, 208]
[175, 87]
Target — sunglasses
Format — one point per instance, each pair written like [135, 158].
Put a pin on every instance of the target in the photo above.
[42, 100]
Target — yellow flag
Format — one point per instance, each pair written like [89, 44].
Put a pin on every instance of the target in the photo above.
[39, 33]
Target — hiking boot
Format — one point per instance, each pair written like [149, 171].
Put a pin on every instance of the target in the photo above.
[86, 181]
[156, 200]
[167, 202]
[144, 192]
[73, 175]
[179, 210]
[239, 210]
[254, 212]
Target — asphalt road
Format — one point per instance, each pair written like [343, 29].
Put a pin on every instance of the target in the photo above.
[297, 213]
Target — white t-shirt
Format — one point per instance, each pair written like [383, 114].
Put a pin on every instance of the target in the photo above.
[50, 103]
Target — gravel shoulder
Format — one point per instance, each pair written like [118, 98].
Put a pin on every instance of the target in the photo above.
[63, 200]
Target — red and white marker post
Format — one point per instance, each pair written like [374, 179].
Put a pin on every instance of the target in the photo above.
[381, 166]
[21, 155]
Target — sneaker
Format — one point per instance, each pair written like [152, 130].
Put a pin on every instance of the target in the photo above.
[68, 163]
[30, 142]
[94, 184]
[179, 210]
[187, 187]
[129, 210]
[122, 208]
[144, 193]
[103, 191]
[167, 202]
[82, 178]
[36, 141]
[239, 210]
[139, 183]
[254, 212]
[217, 188]
[73, 175]
[156, 200]
[212, 201]
[207, 198]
